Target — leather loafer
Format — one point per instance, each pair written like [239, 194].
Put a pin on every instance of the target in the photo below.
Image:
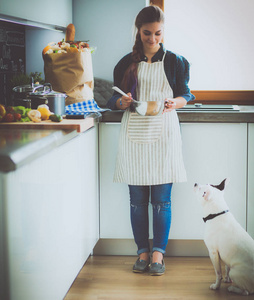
[157, 269]
[140, 266]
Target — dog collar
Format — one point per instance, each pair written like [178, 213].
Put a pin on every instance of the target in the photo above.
[212, 216]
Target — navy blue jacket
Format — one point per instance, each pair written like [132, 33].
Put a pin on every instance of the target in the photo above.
[176, 69]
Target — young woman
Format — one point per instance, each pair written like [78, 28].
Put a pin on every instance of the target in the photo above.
[149, 157]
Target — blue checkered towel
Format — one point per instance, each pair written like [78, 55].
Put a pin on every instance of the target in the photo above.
[83, 108]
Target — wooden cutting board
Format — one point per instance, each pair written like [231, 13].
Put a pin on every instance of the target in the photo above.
[65, 124]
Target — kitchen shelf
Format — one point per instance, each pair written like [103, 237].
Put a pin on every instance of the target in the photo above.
[30, 23]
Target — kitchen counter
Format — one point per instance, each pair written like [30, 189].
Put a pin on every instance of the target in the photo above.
[20, 145]
[244, 115]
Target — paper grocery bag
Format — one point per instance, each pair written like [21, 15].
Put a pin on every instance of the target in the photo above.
[70, 73]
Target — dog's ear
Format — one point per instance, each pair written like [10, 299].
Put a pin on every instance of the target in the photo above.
[222, 185]
[227, 180]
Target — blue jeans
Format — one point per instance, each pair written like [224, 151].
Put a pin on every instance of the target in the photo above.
[161, 203]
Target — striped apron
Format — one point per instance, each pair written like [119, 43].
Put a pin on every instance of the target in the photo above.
[150, 147]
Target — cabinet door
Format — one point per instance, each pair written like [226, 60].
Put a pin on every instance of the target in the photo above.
[58, 12]
[52, 218]
[114, 197]
[212, 152]
[250, 208]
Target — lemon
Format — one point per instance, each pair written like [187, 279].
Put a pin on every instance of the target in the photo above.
[43, 105]
[45, 113]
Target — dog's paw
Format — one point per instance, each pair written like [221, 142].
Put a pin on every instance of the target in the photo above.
[214, 286]
[227, 280]
[234, 289]
[245, 293]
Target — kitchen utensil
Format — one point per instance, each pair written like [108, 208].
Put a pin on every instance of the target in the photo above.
[149, 108]
[55, 101]
[144, 108]
[31, 96]
[32, 102]
[22, 91]
[123, 93]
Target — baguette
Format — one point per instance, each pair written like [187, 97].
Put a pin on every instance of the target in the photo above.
[70, 33]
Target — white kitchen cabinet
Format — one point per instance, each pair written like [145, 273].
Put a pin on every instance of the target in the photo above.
[114, 197]
[250, 215]
[211, 151]
[51, 219]
[58, 12]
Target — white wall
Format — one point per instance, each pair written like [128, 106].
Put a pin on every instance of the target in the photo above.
[36, 40]
[217, 38]
[108, 25]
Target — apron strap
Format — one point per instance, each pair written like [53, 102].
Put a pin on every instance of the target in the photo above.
[164, 56]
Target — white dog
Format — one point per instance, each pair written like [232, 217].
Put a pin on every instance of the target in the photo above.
[226, 240]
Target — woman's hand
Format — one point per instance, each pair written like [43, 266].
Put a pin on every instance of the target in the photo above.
[173, 103]
[124, 102]
[170, 104]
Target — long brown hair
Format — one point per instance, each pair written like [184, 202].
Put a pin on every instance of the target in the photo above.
[148, 14]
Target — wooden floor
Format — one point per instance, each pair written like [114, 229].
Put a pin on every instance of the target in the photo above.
[111, 278]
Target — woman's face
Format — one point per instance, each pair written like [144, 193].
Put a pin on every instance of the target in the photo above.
[151, 35]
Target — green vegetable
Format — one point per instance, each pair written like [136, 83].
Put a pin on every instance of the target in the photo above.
[20, 110]
[27, 110]
[73, 46]
[23, 111]
[92, 49]
[25, 119]
[55, 118]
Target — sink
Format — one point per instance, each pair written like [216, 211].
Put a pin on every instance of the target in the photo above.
[198, 107]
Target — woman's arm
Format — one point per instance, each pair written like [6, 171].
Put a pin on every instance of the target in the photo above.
[119, 70]
[174, 103]
[118, 101]
[123, 102]
[177, 72]
[182, 79]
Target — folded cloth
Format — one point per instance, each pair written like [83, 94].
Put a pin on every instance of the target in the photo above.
[83, 108]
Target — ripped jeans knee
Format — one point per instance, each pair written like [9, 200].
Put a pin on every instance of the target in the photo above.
[136, 207]
[161, 203]
[161, 225]
[160, 207]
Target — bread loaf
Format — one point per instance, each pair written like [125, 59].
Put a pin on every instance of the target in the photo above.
[70, 33]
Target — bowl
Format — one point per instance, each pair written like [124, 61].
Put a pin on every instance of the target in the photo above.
[149, 108]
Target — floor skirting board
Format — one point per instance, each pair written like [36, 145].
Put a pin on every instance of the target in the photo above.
[128, 247]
